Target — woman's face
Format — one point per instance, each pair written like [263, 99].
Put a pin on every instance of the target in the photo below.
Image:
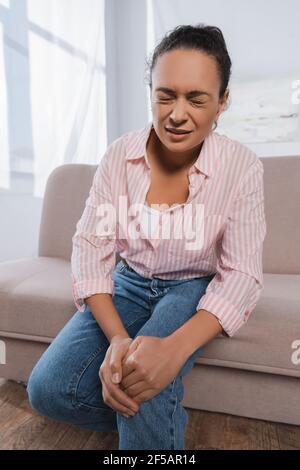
[183, 72]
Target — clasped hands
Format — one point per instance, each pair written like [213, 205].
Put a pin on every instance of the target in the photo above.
[150, 365]
[146, 365]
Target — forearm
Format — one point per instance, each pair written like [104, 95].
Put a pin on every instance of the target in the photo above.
[196, 332]
[106, 315]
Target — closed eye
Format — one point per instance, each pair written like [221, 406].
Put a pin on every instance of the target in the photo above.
[198, 103]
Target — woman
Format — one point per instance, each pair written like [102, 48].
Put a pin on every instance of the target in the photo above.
[148, 318]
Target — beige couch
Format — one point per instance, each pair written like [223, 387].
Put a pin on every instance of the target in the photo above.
[252, 374]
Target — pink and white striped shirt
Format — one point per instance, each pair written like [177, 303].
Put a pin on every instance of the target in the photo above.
[226, 180]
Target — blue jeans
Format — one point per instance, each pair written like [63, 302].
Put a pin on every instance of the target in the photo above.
[65, 385]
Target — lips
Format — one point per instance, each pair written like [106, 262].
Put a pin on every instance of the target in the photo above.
[177, 131]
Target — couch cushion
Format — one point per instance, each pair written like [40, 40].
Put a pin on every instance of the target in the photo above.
[36, 300]
[35, 296]
[268, 342]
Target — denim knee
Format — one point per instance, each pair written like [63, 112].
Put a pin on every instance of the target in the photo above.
[35, 391]
[42, 393]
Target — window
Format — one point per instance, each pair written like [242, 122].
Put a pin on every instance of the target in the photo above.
[52, 87]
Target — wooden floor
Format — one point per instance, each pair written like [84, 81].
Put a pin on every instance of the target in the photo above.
[22, 428]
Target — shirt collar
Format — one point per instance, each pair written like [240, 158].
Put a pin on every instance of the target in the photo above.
[205, 163]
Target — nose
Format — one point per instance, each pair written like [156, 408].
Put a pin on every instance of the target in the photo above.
[179, 111]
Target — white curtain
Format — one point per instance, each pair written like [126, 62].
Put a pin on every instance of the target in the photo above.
[52, 86]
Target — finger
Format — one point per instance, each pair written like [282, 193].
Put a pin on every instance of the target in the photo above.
[119, 408]
[128, 365]
[113, 403]
[114, 391]
[132, 348]
[146, 394]
[133, 390]
[131, 379]
[117, 394]
[115, 364]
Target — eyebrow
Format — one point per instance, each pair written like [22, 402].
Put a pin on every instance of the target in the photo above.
[191, 94]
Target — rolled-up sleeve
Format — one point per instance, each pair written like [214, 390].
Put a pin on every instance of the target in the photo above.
[94, 249]
[236, 287]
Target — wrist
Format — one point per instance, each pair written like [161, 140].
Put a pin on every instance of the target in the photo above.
[119, 337]
[174, 345]
[195, 333]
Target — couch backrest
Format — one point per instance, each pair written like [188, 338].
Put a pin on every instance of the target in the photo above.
[281, 252]
[66, 191]
[64, 200]
[68, 187]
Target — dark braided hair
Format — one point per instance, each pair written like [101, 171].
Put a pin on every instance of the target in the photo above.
[201, 37]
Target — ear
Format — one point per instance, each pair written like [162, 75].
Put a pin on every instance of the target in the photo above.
[222, 103]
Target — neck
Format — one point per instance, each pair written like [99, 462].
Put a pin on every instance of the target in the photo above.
[173, 162]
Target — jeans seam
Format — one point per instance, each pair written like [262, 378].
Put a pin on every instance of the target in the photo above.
[173, 420]
[76, 379]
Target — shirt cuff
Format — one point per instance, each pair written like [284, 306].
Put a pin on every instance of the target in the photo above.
[225, 312]
[84, 289]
